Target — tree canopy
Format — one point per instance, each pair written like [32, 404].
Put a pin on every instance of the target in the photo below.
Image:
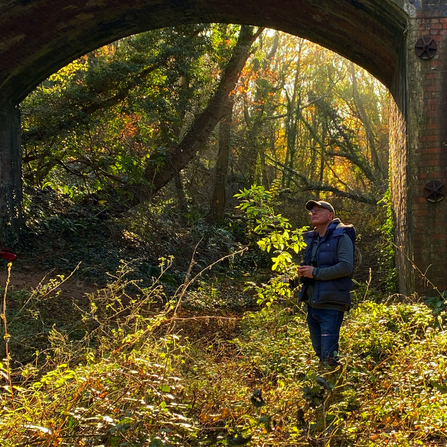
[132, 116]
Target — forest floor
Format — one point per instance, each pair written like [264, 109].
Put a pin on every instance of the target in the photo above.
[86, 247]
[72, 288]
[198, 366]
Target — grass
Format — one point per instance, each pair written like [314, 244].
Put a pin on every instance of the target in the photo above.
[141, 369]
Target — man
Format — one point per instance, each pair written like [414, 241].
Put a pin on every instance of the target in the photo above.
[326, 276]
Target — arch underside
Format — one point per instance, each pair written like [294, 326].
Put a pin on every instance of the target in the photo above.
[37, 37]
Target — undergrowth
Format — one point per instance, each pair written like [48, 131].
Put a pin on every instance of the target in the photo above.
[219, 359]
[140, 369]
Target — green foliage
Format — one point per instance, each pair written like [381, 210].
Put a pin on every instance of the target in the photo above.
[392, 376]
[387, 247]
[110, 383]
[274, 234]
[32, 315]
[92, 125]
[438, 304]
[109, 402]
[142, 374]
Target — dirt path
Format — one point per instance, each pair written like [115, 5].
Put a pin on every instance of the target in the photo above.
[73, 287]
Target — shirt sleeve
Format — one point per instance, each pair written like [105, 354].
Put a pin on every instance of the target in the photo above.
[344, 266]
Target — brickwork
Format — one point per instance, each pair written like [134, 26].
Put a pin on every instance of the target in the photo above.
[427, 140]
[40, 36]
[399, 180]
[10, 171]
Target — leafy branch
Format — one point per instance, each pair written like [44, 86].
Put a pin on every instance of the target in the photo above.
[276, 237]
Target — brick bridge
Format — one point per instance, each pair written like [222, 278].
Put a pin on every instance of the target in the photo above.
[403, 43]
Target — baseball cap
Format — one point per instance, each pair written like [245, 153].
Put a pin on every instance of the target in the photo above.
[311, 203]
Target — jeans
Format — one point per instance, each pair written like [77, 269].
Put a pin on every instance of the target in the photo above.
[324, 327]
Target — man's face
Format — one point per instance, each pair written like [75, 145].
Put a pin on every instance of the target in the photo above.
[320, 215]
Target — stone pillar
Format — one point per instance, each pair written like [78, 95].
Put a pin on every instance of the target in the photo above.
[10, 172]
[427, 144]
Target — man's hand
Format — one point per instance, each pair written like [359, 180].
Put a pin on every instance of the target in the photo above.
[306, 271]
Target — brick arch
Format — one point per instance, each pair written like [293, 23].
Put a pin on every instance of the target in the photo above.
[37, 37]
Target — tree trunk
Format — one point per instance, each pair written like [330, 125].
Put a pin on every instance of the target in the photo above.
[10, 172]
[365, 120]
[292, 118]
[218, 201]
[162, 168]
